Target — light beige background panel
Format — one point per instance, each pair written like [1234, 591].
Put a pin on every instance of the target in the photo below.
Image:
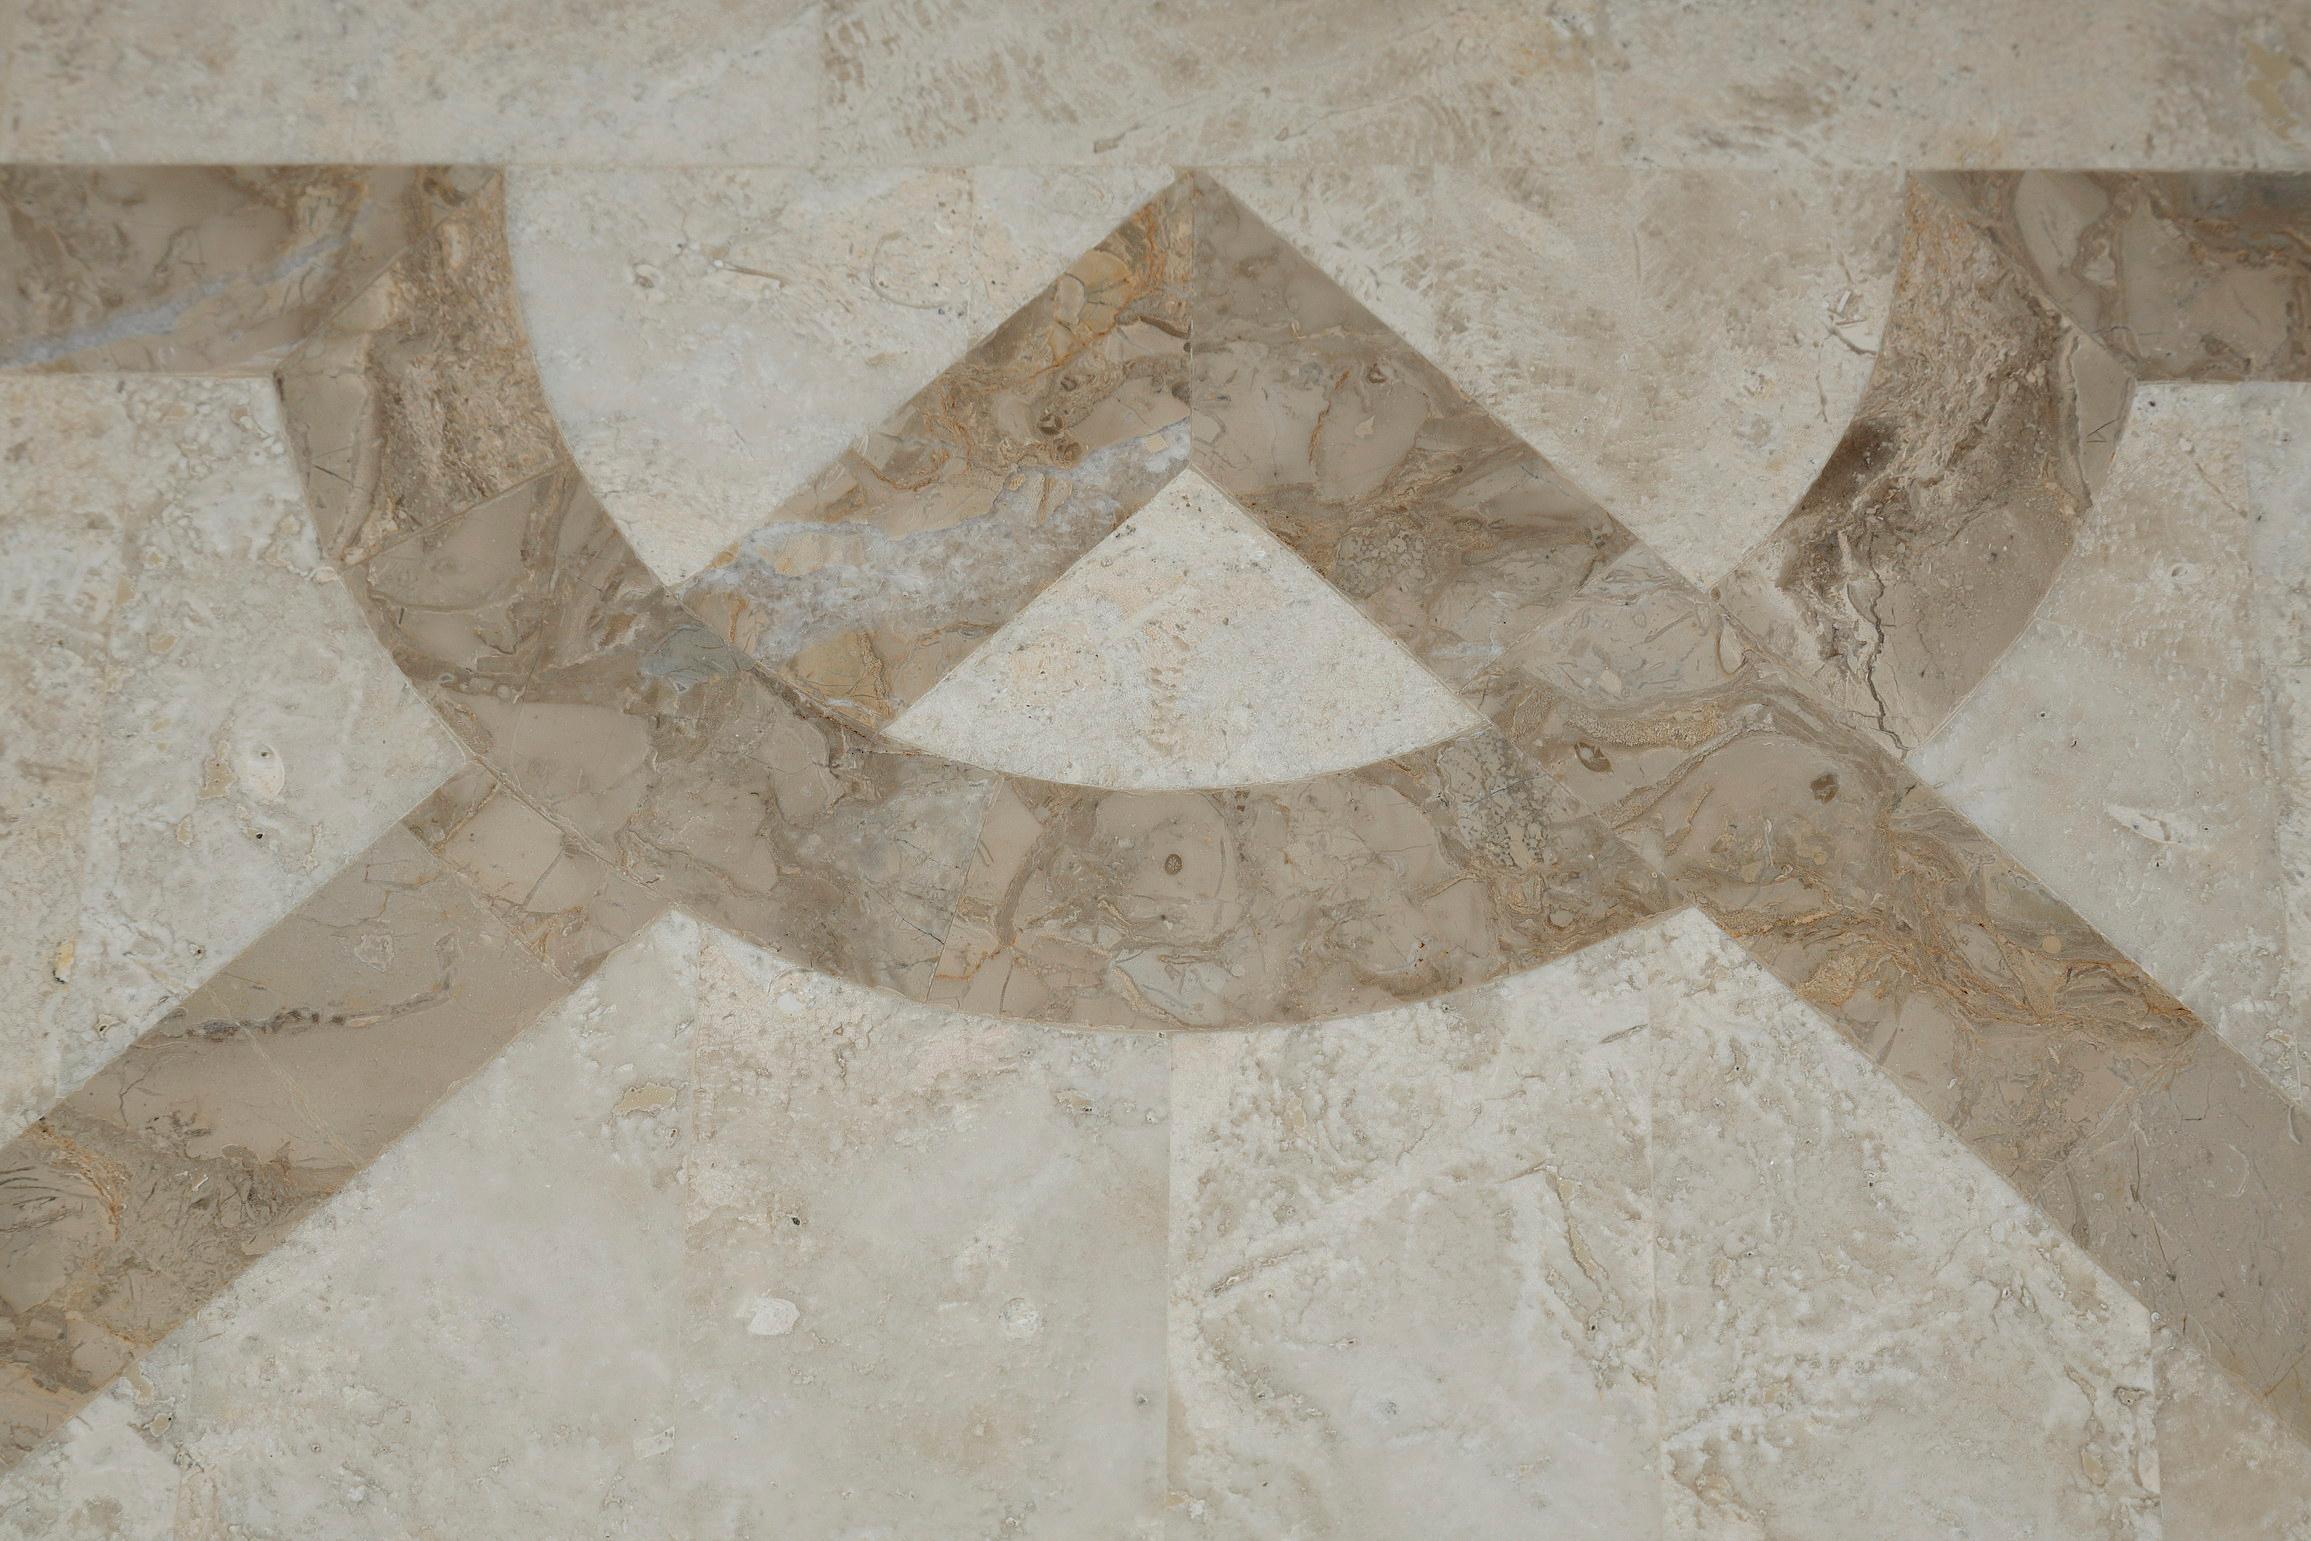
[1632, 1246]
[1411, 1268]
[404, 81]
[2276, 431]
[1687, 349]
[2125, 746]
[199, 730]
[1189, 648]
[2189, 85]
[924, 1288]
[1044, 81]
[710, 339]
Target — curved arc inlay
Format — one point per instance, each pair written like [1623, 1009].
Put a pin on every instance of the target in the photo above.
[739, 784]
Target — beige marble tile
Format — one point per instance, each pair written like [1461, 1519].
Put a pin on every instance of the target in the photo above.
[1863, 1331]
[709, 339]
[924, 1288]
[214, 715]
[483, 81]
[1686, 348]
[2121, 747]
[476, 1338]
[1976, 83]
[972, 81]
[2228, 1470]
[1630, 1246]
[60, 570]
[1412, 1257]
[2277, 432]
[1187, 649]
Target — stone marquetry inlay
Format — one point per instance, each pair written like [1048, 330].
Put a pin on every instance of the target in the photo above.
[1586, 742]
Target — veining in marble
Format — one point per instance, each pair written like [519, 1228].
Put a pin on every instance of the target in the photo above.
[1957, 489]
[931, 531]
[198, 269]
[1187, 649]
[2186, 277]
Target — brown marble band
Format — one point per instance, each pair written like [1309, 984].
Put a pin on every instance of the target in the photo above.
[2185, 276]
[1652, 749]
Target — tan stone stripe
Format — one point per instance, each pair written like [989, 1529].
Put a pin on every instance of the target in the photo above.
[145, 1193]
[1447, 530]
[935, 529]
[659, 754]
[419, 398]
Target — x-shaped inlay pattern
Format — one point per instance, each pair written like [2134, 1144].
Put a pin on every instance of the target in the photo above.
[720, 749]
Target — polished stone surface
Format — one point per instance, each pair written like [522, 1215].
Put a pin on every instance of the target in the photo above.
[921, 768]
[1187, 649]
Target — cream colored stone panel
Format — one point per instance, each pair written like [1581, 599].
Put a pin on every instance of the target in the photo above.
[1412, 1268]
[925, 1258]
[2277, 429]
[685, 82]
[1187, 649]
[2209, 83]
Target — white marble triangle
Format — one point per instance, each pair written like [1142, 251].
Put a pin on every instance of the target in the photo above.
[1188, 649]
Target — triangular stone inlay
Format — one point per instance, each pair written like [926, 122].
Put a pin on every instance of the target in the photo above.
[1188, 649]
